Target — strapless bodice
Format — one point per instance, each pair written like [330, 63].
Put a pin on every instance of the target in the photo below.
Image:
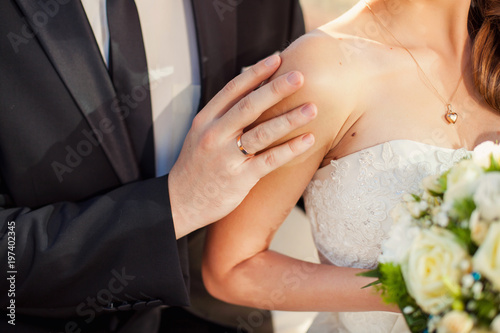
[349, 201]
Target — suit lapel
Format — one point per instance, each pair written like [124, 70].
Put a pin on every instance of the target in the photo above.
[68, 40]
[216, 32]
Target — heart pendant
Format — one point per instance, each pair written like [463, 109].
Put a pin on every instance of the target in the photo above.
[451, 116]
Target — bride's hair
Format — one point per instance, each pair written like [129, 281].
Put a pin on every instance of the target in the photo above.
[484, 29]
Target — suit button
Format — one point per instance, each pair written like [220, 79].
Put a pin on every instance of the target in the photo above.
[156, 302]
[125, 307]
[139, 306]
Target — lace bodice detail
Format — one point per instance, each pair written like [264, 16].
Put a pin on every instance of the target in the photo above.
[348, 202]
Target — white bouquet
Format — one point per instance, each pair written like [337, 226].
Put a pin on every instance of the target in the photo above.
[441, 263]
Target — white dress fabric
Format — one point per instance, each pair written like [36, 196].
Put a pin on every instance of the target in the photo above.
[348, 203]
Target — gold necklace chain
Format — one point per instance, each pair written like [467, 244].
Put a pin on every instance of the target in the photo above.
[451, 116]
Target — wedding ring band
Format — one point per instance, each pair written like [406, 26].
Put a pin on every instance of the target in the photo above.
[241, 148]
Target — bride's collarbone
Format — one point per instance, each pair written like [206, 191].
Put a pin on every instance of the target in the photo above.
[395, 102]
[390, 118]
[368, 133]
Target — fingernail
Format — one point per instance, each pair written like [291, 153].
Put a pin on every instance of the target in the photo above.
[271, 61]
[308, 110]
[293, 78]
[308, 139]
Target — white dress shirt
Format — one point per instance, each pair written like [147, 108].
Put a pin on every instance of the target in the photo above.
[170, 41]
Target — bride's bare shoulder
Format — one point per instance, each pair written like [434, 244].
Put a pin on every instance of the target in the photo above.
[333, 49]
[335, 66]
[330, 83]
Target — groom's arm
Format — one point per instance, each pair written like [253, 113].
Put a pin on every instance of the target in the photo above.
[119, 249]
[76, 258]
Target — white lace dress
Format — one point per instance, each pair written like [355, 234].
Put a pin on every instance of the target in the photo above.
[348, 203]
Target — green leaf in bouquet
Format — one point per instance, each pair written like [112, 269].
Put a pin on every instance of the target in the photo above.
[392, 286]
[442, 184]
[435, 194]
[390, 281]
[494, 165]
[463, 208]
[443, 181]
[464, 237]
[374, 273]
[459, 223]
[486, 311]
[374, 283]
[417, 198]
[394, 291]
[417, 321]
[486, 304]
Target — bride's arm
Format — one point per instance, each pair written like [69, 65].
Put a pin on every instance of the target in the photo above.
[238, 266]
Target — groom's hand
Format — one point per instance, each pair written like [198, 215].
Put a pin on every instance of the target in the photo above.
[215, 171]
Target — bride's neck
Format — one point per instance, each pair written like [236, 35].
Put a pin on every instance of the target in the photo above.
[437, 24]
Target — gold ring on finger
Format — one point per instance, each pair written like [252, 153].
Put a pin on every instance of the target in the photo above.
[241, 148]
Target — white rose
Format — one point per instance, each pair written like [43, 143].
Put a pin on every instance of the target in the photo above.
[495, 324]
[434, 256]
[482, 153]
[487, 196]
[478, 227]
[462, 180]
[455, 322]
[487, 258]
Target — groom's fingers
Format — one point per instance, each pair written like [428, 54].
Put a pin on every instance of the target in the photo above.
[273, 158]
[263, 135]
[248, 109]
[242, 85]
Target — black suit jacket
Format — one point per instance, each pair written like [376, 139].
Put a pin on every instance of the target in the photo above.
[93, 237]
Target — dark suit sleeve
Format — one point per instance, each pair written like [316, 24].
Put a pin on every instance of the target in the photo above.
[297, 26]
[116, 249]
